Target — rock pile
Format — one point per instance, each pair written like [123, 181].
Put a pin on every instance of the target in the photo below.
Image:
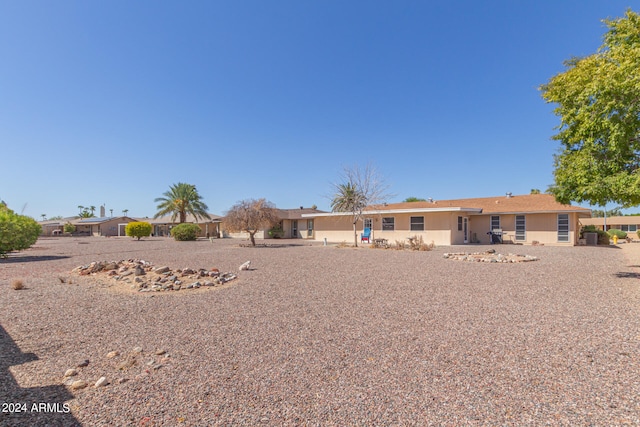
[489, 256]
[144, 277]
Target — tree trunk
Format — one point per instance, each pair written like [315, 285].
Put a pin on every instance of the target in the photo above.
[355, 234]
[252, 238]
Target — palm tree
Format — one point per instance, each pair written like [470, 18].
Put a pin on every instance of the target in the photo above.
[44, 216]
[125, 212]
[180, 200]
[92, 209]
[349, 199]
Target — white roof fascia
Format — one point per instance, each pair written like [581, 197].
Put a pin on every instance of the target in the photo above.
[531, 212]
[396, 211]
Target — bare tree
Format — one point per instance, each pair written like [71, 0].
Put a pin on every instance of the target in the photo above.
[357, 190]
[251, 216]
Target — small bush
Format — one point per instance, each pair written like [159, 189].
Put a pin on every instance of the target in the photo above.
[615, 232]
[17, 232]
[184, 232]
[138, 229]
[69, 228]
[603, 237]
[17, 284]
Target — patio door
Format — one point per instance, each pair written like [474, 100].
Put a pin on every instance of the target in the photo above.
[294, 228]
[465, 229]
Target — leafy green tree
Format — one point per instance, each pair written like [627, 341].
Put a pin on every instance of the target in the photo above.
[138, 229]
[69, 228]
[598, 101]
[180, 200]
[251, 216]
[359, 189]
[414, 199]
[17, 232]
[186, 231]
[535, 191]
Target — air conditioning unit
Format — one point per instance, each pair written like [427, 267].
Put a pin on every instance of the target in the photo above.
[592, 238]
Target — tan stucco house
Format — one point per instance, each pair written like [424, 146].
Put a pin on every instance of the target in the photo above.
[630, 224]
[103, 226]
[524, 219]
[163, 225]
[293, 223]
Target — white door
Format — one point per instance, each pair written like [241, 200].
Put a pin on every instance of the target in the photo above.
[465, 229]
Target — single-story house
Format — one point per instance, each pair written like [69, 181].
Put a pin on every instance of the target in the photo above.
[95, 226]
[292, 225]
[630, 224]
[162, 226]
[524, 219]
[101, 226]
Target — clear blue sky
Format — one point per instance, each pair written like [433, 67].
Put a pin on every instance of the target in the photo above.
[112, 102]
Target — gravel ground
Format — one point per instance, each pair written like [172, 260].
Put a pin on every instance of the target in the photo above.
[317, 335]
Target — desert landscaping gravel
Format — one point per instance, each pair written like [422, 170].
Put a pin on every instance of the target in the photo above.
[321, 336]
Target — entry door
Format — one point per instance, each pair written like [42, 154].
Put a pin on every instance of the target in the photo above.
[465, 229]
[294, 228]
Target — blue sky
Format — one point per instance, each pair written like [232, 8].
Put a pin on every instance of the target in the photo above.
[109, 103]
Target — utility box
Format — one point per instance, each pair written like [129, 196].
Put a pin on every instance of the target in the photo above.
[592, 238]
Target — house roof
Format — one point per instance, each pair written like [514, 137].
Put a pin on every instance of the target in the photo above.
[100, 220]
[529, 203]
[538, 203]
[297, 213]
[612, 220]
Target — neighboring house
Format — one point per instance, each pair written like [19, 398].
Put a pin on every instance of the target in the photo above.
[55, 227]
[103, 226]
[518, 219]
[293, 223]
[630, 224]
[163, 225]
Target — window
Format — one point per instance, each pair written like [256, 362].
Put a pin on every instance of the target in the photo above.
[309, 227]
[459, 223]
[388, 223]
[629, 228]
[495, 221]
[563, 227]
[417, 223]
[520, 228]
[368, 223]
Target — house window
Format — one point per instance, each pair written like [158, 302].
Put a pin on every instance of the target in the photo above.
[368, 223]
[388, 223]
[563, 227]
[520, 228]
[417, 223]
[495, 222]
[309, 227]
[629, 228]
[459, 223]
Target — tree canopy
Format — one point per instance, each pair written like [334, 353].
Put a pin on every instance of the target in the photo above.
[598, 101]
[251, 216]
[180, 200]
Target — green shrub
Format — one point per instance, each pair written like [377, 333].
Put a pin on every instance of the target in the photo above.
[17, 232]
[603, 237]
[69, 228]
[615, 232]
[185, 232]
[138, 229]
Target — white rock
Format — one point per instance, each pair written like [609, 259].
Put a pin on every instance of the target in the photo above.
[101, 382]
[71, 372]
[245, 266]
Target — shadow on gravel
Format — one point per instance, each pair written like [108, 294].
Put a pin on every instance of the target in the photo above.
[627, 275]
[33, 405]
[31, 258]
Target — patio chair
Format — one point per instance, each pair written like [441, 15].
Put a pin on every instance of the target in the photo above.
[366, 235]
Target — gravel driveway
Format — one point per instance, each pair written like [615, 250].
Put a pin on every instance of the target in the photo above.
[316, 335]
